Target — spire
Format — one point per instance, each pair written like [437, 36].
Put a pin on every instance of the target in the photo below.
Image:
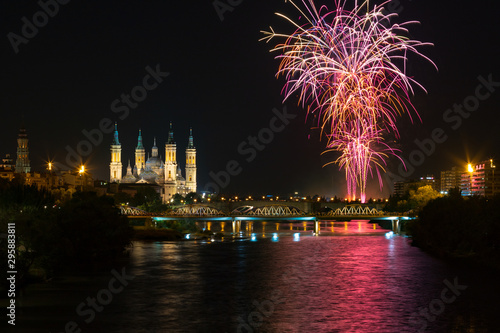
[154, 150]
[115, 137]
[129, 169]
[139, 141]
[171, 135]
[190, 144]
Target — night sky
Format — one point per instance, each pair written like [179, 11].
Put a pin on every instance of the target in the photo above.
[222, 83]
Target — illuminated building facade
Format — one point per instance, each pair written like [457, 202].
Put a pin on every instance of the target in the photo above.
[402, 188]
[481, 179]
[154, 170]
[22, 161]
[430, 180]
[7, 167]
[116, 158]
[450, 179]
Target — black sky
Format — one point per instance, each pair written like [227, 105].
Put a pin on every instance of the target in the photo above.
[221, 83]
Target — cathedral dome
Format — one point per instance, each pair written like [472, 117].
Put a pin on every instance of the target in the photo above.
[149, 175]
[129, 179]
[154, 162]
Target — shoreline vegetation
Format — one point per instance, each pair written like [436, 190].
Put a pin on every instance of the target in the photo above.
[458, 229]
[84, 234]
[74, 232]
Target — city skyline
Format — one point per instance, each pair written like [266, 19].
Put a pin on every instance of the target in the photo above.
[68, 77]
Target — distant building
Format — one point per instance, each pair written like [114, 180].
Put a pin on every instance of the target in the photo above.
[450, 179]
[430, 180]
[22, 161]
[480, 179]
[401, 188]
[153, 170]
[7, 168]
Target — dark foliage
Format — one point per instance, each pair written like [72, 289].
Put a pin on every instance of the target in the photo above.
[87, 232]
[457, 227]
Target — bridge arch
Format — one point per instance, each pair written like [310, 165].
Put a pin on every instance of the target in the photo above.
[195, 210]
[133, 211]
[270, 210]
[355, 210]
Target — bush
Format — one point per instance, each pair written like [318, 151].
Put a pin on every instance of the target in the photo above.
[458, 227]
[86, 232]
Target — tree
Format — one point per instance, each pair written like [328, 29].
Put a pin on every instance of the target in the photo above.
[177, 199]
[460, 227]
[420, 197]
[455, 192]
[191, 197]
[92, 229]
[145, 194]
[122, 198]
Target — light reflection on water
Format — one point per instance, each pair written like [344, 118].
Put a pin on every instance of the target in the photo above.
[267, 228]
[318, 284]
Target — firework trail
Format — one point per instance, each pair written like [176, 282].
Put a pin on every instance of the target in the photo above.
[349, 68]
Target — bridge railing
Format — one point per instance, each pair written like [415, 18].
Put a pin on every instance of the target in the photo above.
[266, 211]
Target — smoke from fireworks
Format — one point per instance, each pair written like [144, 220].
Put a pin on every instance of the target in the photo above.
[345, 66]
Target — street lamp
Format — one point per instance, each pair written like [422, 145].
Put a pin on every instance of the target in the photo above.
[493, 166]
[470, 169]
[81, 172]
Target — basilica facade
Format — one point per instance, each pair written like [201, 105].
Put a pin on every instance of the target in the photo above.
[153, 169]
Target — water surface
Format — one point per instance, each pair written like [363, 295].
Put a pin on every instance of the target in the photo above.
[340, 283]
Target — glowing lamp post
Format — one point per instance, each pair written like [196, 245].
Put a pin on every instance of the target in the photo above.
[470, 170]
[493, 166]
[81, 172]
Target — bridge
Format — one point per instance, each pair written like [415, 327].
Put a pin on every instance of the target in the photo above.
[277, 212]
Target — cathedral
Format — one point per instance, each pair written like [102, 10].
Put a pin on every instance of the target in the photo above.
[153, 170]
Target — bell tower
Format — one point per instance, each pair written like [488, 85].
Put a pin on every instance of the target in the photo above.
[140, 155]
[115, 167]
[170, 166]
[190, 164]
[22, 160]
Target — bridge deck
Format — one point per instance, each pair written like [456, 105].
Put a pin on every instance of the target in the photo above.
[276, 218]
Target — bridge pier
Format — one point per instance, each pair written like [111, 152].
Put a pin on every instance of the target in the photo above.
[396, 226]
[316, 228]
[236, 227]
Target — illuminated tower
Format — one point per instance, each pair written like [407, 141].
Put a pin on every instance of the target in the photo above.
[22, 161]
[154, 150]
[190, 164]
[140, 155]
[115, 168]
[170, 166]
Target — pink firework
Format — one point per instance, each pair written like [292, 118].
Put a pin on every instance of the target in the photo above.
[349, 67]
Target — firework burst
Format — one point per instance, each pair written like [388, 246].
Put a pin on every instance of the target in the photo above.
[349, 68]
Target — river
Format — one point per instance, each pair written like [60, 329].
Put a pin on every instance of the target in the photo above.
[281, 281]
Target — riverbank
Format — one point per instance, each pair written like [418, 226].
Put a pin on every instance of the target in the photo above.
[460, 229]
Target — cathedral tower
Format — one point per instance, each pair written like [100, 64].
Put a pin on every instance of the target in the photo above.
[140, 155]
[170, 166]
[190, 164]
[22, 161]
[115, 168]
[170, 157]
